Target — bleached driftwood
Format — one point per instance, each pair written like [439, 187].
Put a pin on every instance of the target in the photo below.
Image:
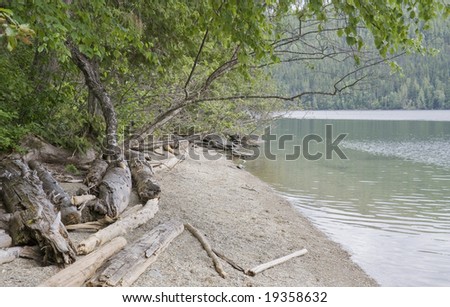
[207, 247]
[5, 239]
[144, 180]
[58, 196]
[91, 226]
[96, 173]
[120, 227]
[125, 268]
[9, 254]
[78, 273]
[262, 267]
[34, 218]
[77, 200]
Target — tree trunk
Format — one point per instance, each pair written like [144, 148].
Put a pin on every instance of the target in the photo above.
[59, 197]
[126, 267]
[34, 216]
[94, 84]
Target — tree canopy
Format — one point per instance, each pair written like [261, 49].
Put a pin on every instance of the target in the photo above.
[200, 64]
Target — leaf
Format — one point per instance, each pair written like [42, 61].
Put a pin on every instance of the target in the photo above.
[351, 40]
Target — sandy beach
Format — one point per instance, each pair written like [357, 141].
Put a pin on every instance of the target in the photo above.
[243, 218]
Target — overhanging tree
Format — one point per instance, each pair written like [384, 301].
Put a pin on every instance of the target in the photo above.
[148, 62]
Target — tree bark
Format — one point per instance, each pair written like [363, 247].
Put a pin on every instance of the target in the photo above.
[59, 197]
[126, 267]
[115, 189]
[120, 227]
[76, 275]
[96, 173]
[143, 177]
[34, 218]
[94, 84]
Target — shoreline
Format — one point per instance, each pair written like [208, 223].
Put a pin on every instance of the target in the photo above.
[243, 218]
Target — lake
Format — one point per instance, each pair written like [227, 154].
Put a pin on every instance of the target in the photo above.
[387, 203]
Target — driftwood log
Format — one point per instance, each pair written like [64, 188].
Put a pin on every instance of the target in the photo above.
[120, 227]
[58, 196]
[78, 273]
[125, 268]
[143, 178]
[96, 173]
[114, 191]
[34, 217]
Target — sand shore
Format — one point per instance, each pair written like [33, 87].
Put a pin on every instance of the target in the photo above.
[243, 218]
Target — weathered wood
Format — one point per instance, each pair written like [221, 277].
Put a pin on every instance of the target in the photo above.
[5, 239]
[58, 196]
[120, 227]
[229, 261]
[143, 177]
[34, 218]
[125, 268]
[166, 164]
[78, 273]
[268, 265]
[96, 173]
[91, 226]
[114, 190]
[77, 200]
[9, 254]
[207, 247]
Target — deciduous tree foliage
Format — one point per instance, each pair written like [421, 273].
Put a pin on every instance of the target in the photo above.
[199, 64]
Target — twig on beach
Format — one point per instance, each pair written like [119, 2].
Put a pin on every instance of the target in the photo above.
[262, 267]
[229, 261]
[207, 248]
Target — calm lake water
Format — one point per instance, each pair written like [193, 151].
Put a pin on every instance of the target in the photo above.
[388, 204]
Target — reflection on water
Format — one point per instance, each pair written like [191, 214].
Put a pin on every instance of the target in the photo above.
[388, 204]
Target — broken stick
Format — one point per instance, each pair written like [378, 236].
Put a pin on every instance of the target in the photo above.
[76, 274]
[207, 248]
[265, 266]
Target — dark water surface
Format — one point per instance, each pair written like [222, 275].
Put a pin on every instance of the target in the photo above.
[388, 204]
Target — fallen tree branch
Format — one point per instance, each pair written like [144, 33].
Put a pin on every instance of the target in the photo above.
[207, 248]
[125, 268]
[229, 261]
[120, 227]
[76, 275]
